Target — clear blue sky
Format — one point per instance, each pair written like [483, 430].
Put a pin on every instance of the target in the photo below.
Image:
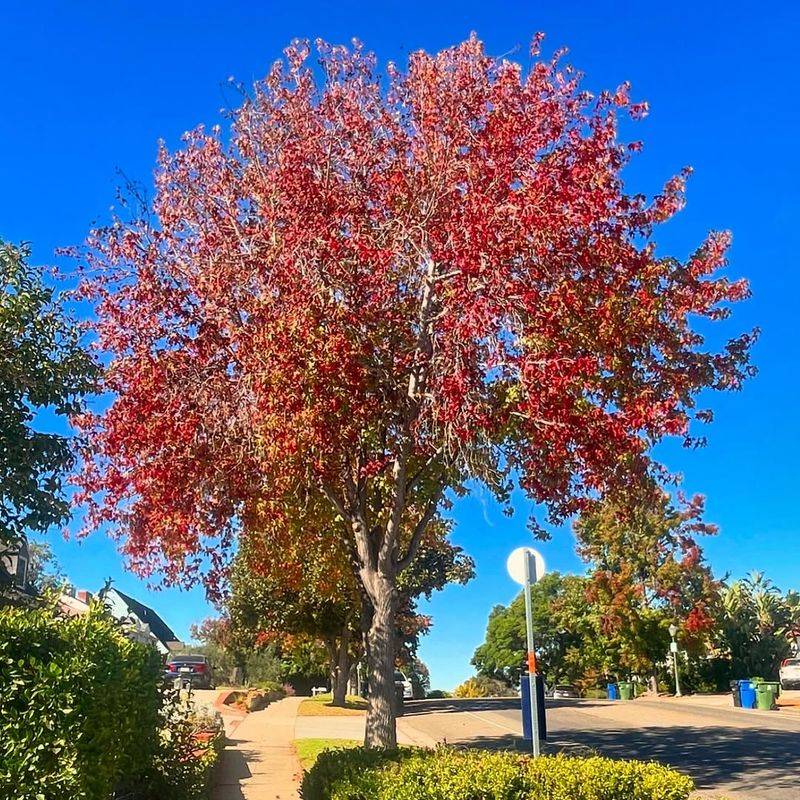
[89, 87]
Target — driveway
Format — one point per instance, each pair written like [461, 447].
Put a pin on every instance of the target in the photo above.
[743, 755]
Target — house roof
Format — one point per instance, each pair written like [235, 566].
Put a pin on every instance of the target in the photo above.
[158, 627]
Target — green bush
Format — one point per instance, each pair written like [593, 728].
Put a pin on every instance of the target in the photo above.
[79, 707]
[189, 747]
[482, 686]
[446, 774]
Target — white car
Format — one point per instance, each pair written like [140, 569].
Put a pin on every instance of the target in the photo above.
[408, 689]
[790, 673]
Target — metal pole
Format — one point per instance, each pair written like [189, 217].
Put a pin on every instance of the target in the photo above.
[677, 679]
[531, 655]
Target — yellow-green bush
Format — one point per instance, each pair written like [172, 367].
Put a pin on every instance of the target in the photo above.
[79, 707]
[446, 774]
[481, 686]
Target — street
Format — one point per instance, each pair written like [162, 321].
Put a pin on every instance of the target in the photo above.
[747, 755]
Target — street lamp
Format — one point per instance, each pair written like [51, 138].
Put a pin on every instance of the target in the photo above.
[673, 629]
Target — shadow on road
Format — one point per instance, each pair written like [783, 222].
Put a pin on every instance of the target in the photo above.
[712, 755]
[455, 705]
[763, 761]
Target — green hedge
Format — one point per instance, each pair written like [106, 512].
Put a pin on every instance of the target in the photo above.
[446, 774]
[79, 707]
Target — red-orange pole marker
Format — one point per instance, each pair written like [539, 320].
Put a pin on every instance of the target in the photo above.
[532, 663]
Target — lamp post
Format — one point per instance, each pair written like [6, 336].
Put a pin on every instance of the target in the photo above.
[673, 629]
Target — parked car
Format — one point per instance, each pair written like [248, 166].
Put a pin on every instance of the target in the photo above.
[790, 673]
[193, 669]
[563, 691]
[408, 689]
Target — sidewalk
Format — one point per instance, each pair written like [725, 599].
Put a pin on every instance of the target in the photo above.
[788, 702]
[259, 762]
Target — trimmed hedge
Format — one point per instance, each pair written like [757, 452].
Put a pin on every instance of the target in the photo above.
[79, 707]
[446, 774]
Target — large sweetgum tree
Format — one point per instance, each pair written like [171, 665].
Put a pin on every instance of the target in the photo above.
[379, 288]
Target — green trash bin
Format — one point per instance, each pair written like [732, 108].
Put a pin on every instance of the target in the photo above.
[625, 690]
[766, 695]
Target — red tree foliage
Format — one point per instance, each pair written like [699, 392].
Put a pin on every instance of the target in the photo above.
[380, 287]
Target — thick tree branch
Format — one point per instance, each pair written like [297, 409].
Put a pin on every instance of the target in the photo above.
[419, 529]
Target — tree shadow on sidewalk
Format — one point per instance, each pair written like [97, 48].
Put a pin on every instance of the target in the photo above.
[231, 770]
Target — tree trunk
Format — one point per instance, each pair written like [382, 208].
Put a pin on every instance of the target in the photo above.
[381, 729]
[342, 670]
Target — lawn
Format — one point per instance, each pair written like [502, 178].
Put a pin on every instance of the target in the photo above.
[320, 706]
[309, 749]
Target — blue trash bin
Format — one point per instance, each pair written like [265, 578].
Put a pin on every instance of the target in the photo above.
[747, 691]
[525, 699]
[613, 691]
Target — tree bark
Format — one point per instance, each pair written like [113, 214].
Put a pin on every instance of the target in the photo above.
[381, 731]
[342, 670]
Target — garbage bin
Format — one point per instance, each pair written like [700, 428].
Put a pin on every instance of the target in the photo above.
[613, 691]
[625, 690]
[766, 695]
[737, 698]
[748, 694]
[525, 700]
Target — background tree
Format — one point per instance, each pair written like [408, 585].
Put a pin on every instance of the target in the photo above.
[42, 367]
[556, 633]
[383, 287]
[232, 659]
[758, 626]
[44, 571]
[420, 677]
[318, 598]
[646, 572]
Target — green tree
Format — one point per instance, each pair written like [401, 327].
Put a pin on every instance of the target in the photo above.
[232, 661]
[420, 677]
[42, 367]
[559, 624]
[758, 626]
[44, 571]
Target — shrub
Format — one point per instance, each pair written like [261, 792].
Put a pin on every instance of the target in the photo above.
[446, 774]
[481, 686]
[273, 690]
[189, 747]
[79, 706]
[438, 694]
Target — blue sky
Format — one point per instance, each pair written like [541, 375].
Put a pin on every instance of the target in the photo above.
[88, 88]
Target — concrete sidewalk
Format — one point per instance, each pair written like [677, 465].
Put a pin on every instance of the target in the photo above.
[788, 706]
[259, 762]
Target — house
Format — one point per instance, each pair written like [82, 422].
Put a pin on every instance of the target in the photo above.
[73, 603]
[14, 561]
[15, 588]
[144, 623]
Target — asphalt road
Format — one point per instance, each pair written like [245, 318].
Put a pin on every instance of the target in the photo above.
[742, 755]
